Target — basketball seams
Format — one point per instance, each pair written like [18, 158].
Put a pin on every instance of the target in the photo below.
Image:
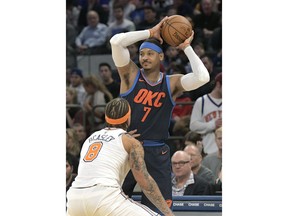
[169, 29]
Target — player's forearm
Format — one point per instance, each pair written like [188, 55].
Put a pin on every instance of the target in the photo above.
[151, 190]
[119, 43]
[200, 74]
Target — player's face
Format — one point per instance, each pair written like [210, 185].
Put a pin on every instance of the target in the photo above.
[148, 58]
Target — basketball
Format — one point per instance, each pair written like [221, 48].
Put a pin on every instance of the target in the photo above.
[176, 30]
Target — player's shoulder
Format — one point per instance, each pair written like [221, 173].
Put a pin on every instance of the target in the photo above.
[129, 142]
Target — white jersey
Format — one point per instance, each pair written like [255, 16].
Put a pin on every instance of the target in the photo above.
[205, 112]
[103, 160]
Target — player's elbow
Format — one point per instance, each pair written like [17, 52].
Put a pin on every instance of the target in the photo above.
[116, 39]
[204, 77]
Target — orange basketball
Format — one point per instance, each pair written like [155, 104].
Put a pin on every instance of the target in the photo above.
[176, 30]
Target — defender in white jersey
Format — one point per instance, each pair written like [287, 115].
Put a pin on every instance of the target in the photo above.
[106, 157]
[206, 116]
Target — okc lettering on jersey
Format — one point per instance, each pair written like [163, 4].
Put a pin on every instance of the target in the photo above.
[213, 115]
[99, 137]
[147, 97]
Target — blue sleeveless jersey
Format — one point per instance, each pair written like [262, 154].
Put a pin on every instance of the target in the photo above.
[151, 106]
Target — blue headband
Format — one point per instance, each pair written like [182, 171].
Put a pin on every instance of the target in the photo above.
[151, 46]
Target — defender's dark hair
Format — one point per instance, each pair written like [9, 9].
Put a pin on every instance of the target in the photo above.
[116, 109]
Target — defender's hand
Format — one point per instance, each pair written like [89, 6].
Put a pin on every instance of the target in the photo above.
[133, 133]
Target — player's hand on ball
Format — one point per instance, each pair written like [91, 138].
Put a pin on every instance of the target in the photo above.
[156, 30]
[187, 42]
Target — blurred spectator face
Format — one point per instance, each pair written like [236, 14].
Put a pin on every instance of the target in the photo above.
[171, 52]
[105, 73]
[181, 164]
[90, 89]
[208, 63]
[80, 132]
[206, 6]
[75, 80]
[199, 50]
[69, 170]
[172, 11]
[118, 13]
[149, 15]
[92, 18]
[194, 152]
[133, 49]
[218, 138]
[69, 97]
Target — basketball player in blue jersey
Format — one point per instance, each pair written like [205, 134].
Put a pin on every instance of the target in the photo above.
[151, 95]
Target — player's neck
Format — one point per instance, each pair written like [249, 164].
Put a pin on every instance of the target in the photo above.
[152, 77]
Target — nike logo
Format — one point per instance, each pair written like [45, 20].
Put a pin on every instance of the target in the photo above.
[164, 152]
[141, 80]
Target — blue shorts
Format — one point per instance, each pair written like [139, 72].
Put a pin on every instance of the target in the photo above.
[158, 162]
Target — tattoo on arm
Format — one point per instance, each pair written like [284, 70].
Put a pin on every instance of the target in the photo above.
[146, 182]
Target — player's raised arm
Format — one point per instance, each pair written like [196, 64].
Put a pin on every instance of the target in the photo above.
[145, 181]
[120, 52]
[200, 74]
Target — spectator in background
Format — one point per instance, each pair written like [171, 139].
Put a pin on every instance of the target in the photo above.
[105, 73]
[217, 185]
[181, 112]
[71, 99]
[72, 149]
[120, 23]
[94, 104]
[215, 48]
[197, 168]
[214, 161]
[127, 6]
[72, 14]
[134, 54]
[192, 138]
[71, 33]
[150, 19]
[207, 21]
[93, 37]
[184, 182]
[81, 132]
[183, 7]
[199, 48]
[207, 115]
[91, 5]
[137, 15]
[70, 176]
[171, 59]
[76, 79]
